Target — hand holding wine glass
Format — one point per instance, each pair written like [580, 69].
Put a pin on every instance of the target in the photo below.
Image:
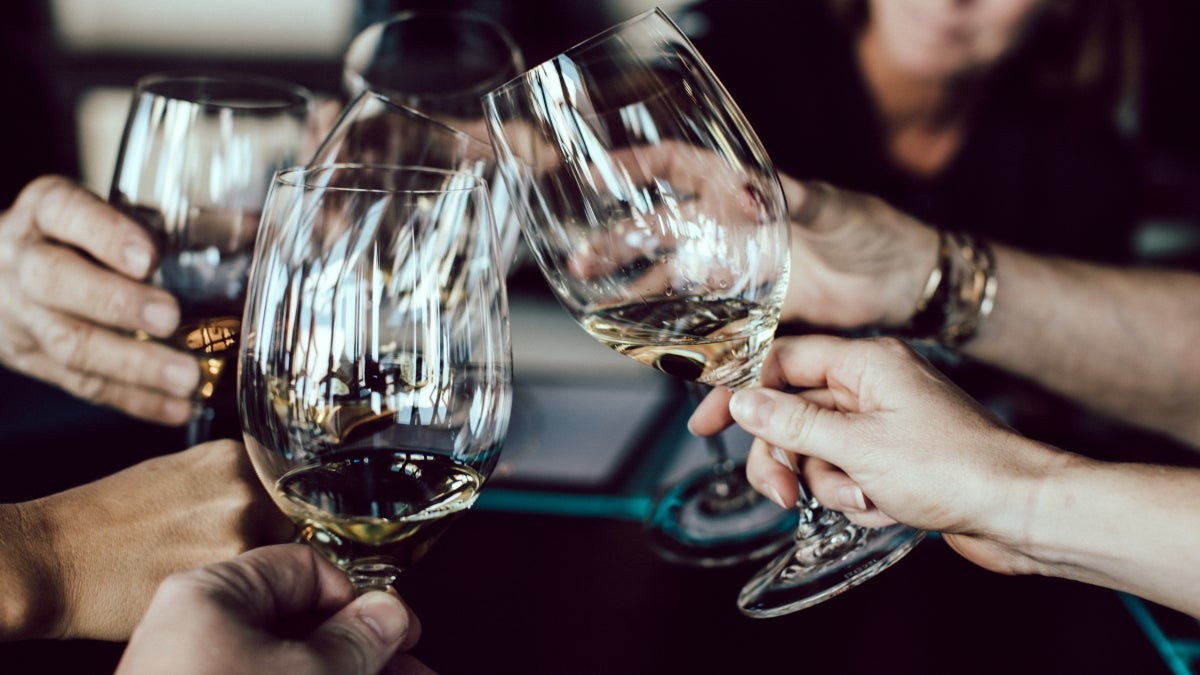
[194, 164]
[375, 373]
[72, 265]
[660, 223]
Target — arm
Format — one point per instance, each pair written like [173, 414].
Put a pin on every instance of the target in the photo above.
[83, 563]
[1120, 341]
[73, 294]
[912, 448]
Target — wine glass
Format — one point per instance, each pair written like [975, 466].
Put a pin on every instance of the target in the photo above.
[414, 80]
[660, 225]
[194, 164]
[375, 129]
[375, 394]
[654, 212]
[438, 61]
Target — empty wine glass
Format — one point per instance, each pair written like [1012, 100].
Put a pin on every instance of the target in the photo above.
[375, 129]
[654, 212]
[438, 61]
[375, 373]
[194, 165]
[414, 82]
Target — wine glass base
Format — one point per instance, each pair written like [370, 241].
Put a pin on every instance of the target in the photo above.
[789, 583]
[688, 526]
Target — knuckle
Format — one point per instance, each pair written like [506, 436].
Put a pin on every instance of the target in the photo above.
[893, 345]
[66, 341]
[35, 270]
[795, 426]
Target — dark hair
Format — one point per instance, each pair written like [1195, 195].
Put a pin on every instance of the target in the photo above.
[1086, 53]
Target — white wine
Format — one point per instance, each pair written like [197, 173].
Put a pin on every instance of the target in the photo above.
[717, 342]
[374, 505]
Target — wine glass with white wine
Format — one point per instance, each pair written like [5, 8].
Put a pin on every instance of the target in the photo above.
[375, 375]
[658, 219]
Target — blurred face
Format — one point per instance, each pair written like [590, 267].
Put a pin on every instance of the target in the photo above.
[946, 39]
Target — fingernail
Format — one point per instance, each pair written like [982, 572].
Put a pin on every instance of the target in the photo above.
[137, 260]
[774, 496]
[783, 458]
[182, 378]
[751, 408]
[851, 498]
[161, 317]
[384, 615]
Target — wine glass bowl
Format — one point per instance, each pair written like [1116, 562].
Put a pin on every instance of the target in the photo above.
[659, 223]
[375, 373]
[195, 161]
[375, 129]
[439, 61]
[652, 212]
[658, 220]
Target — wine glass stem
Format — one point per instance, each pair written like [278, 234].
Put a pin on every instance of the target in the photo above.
[725, 489]
[697, 392]
[821, 534]
[372, 577]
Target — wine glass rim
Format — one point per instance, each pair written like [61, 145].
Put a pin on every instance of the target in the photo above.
[304, 176]
[269, 92]
[586, 43]
[419, 115]
[490, 25]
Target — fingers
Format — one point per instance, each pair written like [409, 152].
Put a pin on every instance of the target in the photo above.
[64, 212]
[830, 486]
[141, 378]
[772, 473]
[711, 415]
[363, 636]
[59, 278]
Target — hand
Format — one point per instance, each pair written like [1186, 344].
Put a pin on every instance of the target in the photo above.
[665, 197]
[907, 444]
[88, 559]
[856, 261]
[279, 609]
[72, 293]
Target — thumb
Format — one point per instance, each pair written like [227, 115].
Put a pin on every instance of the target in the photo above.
[789, 422]
[363, 636]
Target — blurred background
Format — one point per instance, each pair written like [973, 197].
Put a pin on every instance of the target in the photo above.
[69, 67]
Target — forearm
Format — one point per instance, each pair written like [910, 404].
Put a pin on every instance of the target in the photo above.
[1128, 527]
[1120, 341]
[29, 600]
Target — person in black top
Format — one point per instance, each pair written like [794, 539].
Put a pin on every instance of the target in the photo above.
[1014, 121]
[972, 116]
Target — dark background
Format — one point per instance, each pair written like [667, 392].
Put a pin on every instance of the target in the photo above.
[536, 593]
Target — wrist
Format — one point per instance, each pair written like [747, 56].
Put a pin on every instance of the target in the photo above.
[29, 599]
[1053, 532]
